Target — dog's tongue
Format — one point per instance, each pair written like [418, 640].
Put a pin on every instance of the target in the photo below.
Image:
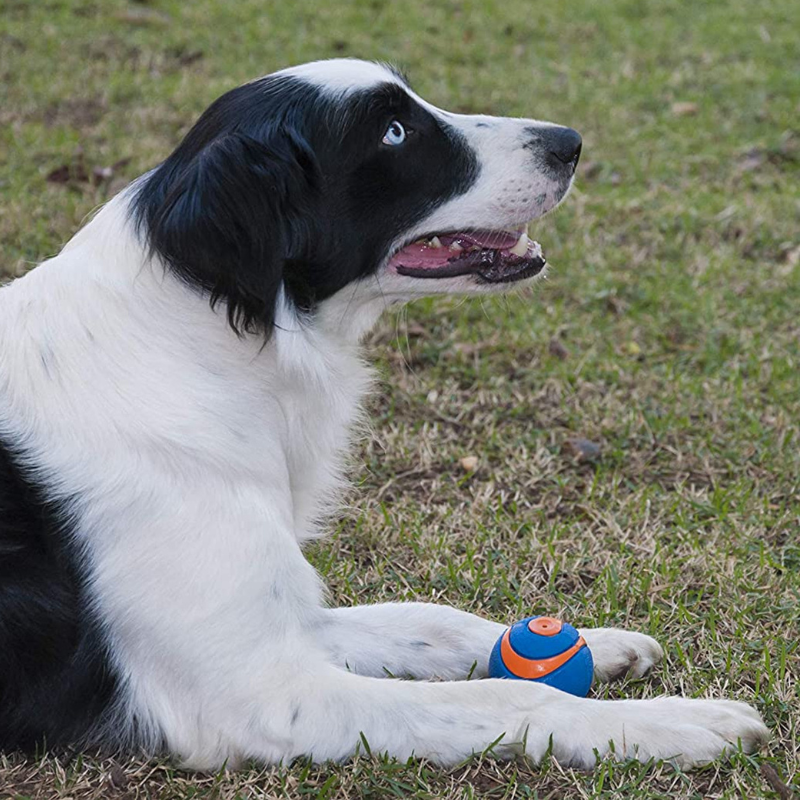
[420, 254]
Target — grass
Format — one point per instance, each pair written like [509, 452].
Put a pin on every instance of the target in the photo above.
[667, 334]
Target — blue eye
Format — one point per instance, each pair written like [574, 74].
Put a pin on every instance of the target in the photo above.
[395, 134]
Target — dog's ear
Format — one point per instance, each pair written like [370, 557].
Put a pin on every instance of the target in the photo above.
[230, 218]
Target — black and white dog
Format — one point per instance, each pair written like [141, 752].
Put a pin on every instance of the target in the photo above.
[176, 389]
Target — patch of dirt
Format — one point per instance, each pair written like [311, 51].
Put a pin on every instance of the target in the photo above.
[75, 112]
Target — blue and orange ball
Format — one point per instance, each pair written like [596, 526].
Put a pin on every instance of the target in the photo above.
[544, 650]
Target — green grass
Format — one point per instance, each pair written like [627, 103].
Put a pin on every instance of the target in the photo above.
[667, 333]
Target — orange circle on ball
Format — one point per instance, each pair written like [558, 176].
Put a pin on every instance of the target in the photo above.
[545, 626]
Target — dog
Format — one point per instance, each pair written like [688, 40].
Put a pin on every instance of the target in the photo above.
[177, 387]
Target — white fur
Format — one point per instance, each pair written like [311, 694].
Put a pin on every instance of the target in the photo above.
[340, 76]
[197, 463]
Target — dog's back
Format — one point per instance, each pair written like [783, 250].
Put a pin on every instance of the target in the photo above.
[55, 683]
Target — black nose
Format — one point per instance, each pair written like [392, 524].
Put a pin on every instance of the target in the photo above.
[563, 143]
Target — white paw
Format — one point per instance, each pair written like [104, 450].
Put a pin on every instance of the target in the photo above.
[687, 732]
[617, 653]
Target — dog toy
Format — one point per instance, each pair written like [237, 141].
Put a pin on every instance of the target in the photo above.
[544, 650]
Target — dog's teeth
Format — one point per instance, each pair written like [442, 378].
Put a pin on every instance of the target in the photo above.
[521, 247]
[456, 247]
[435, 242]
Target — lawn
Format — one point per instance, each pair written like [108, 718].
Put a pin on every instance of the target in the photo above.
[667, 335]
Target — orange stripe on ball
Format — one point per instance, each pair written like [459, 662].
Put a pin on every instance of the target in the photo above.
[526, 668]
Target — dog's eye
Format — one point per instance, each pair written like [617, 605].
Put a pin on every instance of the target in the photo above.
[395, 134]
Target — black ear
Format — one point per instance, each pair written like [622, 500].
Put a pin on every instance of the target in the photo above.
[230, 218]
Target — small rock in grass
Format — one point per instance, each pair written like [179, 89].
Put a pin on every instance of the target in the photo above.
[556, 348]
[684, 109]
[468, 463]
[582, 449]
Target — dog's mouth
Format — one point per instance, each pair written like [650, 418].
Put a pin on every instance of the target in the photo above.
[493, 256]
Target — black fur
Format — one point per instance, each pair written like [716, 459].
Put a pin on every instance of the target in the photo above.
[280, 184]
[56, 685]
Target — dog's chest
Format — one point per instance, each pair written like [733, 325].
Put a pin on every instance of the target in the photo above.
[321, 409]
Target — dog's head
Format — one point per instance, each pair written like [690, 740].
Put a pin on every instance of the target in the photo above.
[334, 179]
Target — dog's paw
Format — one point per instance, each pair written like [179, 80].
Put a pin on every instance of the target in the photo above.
[617, 653]
[687, 732]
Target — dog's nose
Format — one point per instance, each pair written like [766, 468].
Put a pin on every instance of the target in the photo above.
[562, 143]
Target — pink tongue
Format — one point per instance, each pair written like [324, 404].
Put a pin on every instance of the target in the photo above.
[421, 255]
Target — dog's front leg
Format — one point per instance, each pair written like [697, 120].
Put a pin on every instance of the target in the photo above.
[330, 714]
[425, 640]
[417, 640]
